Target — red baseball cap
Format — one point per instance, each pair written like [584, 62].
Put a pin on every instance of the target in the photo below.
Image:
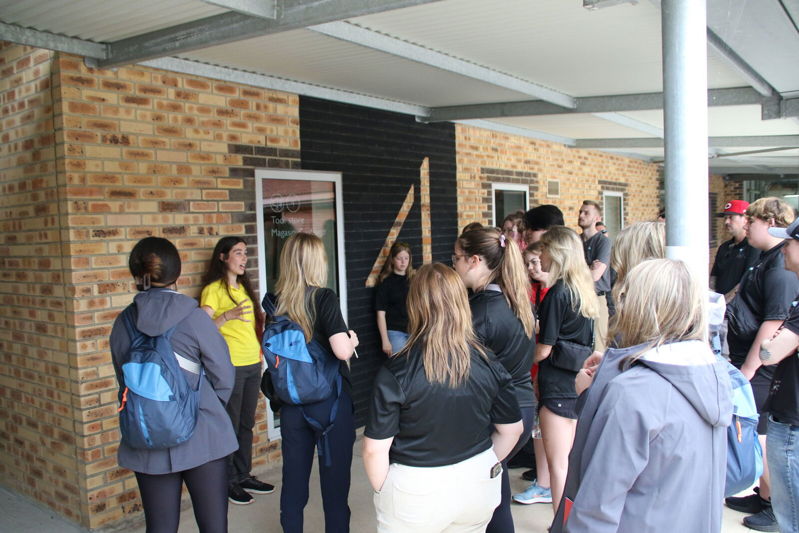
[734, 207]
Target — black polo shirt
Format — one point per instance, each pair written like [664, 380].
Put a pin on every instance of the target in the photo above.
[390, 296]
[432, 424]
[559, 320]
[598, 248]
[783, 400]
[766, 293]
[502, 332]
[732, 261]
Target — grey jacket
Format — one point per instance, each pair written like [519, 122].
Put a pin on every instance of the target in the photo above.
[197, 339]
[650, 452]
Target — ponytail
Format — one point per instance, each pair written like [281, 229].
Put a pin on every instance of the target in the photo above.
[504, 260]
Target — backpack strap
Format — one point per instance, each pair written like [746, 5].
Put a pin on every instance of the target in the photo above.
[129, 316]
[322, 443]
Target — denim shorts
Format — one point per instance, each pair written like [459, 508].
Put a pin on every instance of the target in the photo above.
[397, 339]
[782, 448]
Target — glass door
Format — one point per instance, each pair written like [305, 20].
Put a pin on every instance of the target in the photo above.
[288, 202]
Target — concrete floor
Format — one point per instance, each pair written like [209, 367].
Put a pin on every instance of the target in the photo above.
[20, 515]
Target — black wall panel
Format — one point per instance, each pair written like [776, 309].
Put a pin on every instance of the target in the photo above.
[379, 154]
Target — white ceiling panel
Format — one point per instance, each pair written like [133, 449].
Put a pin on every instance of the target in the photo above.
[576, 126]
[555, 43]
[317, 59]
[726, 121]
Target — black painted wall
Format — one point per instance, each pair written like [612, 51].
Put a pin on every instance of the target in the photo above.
[379, 154]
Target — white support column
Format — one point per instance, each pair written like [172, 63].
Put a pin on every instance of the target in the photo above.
[684, 37]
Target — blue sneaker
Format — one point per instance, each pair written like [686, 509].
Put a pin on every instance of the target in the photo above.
[534, 494]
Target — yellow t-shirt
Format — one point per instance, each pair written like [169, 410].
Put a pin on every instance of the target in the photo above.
[240, 335]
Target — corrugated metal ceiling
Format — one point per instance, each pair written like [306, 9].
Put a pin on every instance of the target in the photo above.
[103, 20]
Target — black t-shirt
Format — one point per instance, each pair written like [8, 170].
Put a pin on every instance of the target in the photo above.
[328, 322]
[390, 296]
[559, 320]
[598, 248]
[502, 332]
[783, 400]
[732, 261]
[766, 293]
[432, 424]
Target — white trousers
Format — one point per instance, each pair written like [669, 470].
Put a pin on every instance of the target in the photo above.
[460, 497]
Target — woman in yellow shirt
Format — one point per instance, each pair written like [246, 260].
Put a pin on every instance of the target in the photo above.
[228, 297]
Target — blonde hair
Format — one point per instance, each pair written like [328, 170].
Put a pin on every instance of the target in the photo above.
[659, 302]
[568, 264]
[303, 265]
[637, 243]
[388, 266]
[506, 264]
[771, 208]
[440, 322]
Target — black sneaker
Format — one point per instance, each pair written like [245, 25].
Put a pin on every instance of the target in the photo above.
[529, 475]
[762, 521]
[253, 484]
[237, 495]
[751, 504]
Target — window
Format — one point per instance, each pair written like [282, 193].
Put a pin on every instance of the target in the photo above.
[613, 212]
[289, 202]
[508, 198]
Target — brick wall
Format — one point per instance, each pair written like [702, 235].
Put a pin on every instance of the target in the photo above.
[139, 152]
[150, 153]
[486, 156]
[38, 397]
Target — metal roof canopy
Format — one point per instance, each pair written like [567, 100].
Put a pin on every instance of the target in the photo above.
[547, 69]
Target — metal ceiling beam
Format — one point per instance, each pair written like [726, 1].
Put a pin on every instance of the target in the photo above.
[352, 33]
[589, 104]
[257, 8]
[42, 39]
[194, 68]
[790, 107]
[521, 132]
[627, 122]
[230, 27]
[735, 61]
[713, 142]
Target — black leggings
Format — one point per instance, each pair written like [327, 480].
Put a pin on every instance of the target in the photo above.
[207, 484]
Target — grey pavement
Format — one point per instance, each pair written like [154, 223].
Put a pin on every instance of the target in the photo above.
[21, 515]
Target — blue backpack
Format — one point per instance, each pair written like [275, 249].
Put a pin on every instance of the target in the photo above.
[158, 407]
[299, 372]
[744, 454]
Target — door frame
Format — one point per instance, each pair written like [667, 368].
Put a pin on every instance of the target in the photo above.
[299, 175]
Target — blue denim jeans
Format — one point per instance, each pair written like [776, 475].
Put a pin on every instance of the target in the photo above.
[782, 447]
[397, 339]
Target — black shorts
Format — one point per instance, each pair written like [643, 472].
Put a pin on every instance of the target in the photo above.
[761, 385]
[565, 407]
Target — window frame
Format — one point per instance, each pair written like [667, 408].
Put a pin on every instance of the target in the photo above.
[513, 187]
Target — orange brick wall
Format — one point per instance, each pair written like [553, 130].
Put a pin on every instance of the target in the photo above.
[485, 156]
[38, 444]
[149, 153]
[139, 152]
